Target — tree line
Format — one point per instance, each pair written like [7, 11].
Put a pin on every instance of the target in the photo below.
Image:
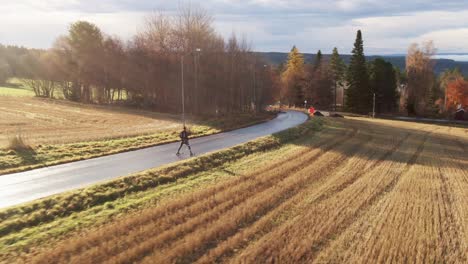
[86, 65]
[355, 87]
[225, 76]
[428, 94]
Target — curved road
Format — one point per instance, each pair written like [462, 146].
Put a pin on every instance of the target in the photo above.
[30, 185]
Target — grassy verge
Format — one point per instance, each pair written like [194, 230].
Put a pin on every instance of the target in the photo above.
[438, 122]
[24, 226]
[47, 155]
[9, 91]
[14, 87]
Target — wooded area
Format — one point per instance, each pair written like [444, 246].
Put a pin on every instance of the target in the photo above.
[225, 76]
[88, 66]
[416, 91]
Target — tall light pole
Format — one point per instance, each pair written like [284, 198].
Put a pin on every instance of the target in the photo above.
[197, 52]
[373, 107]
[254, 84]
[182, 82]
[182, 87]
[262, 91]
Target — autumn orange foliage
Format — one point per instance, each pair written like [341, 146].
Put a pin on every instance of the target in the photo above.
[457, 93]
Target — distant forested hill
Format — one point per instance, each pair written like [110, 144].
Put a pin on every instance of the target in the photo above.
[397, 61]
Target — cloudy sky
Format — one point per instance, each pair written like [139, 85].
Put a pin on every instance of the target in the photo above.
[389, 26]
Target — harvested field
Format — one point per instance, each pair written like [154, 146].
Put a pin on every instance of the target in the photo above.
[367, 191]
[44, 121]
[56, 131]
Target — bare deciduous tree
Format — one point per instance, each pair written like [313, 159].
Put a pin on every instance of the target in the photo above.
[219, 76]
[420, 72]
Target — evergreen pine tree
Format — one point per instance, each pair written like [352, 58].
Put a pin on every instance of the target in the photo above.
[358, 94]
[383, 81]
[337, 67]
[319, 84]
[318, 60]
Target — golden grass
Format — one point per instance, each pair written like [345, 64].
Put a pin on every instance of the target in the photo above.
[46, 121]
[60, 131]
[376, 192]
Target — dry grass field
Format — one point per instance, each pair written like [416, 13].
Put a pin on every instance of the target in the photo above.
[37, 132]
[44, 121]
[361, 191]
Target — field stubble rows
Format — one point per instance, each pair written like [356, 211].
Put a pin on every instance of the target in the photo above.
[373, 192]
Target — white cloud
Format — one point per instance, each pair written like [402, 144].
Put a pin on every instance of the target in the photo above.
[40, 29]
[398, 32]
[272, 25]
[353, 5]
[452, 40]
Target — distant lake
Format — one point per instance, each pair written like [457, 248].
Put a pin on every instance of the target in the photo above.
[453, 57]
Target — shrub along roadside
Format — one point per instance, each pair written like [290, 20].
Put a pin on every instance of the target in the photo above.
[48, 209]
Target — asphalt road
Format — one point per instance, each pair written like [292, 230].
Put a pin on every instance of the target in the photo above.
[27, 186]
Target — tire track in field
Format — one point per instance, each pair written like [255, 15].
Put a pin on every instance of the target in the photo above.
[460, 144]
[303, 252]
[450, 202]
[177, 209]
[410, 224]
[246, 235]
[189, 253]
[448, 199]
[357, 175]
[463, 152]
[164, 214]
[225, 248]
[406, 225]
[240, 196]
[242, 240]
[334, 144]
[328, 239]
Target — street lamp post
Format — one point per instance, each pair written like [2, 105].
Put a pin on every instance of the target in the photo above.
[197, 52]
[182, 82]
[182, 87]
[373, 107]
[254, 101]
[263, 80]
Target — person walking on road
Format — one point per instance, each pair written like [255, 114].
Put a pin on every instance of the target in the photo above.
[184, 140]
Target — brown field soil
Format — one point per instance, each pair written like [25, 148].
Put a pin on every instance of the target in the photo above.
[371, 191]
[57, 131]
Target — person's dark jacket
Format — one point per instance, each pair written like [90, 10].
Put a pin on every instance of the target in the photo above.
[184, 136]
